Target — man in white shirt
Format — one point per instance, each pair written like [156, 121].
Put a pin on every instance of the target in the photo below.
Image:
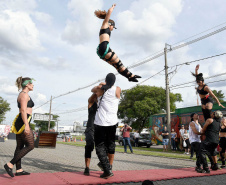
[105, 123]
[136, 137]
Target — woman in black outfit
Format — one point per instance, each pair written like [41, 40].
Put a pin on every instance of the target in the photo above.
[211, 131]
[24, 134]
[104, 51]
[222, 142]
[205, 93]
[89, 132]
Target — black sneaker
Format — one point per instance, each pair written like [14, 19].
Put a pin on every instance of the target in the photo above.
[215, 167]
[222, 166]
[207, 170]
[200, 170]
[86, 171]
[106, 175]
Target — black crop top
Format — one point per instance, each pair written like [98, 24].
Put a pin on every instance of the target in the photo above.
[202, 92]
[107, 30]
[223, 129]
[30, 104]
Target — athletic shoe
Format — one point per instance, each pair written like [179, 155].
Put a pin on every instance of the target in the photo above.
[222, 166]
[106, 175]
[22, 173]
[86, 171]
[207, 170]
[9, 170]
[215, 167]
[199, 170]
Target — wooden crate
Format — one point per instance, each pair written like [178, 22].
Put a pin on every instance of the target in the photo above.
[46, 139]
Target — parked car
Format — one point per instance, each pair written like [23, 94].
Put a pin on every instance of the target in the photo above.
[59, 136]
[144, 140]
[67, 136]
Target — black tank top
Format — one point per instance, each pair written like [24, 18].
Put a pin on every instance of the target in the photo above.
[107, 30]
[212, 132]
[202, 92]
[92, 112]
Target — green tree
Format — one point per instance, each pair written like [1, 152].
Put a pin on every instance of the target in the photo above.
[32, 126]
[137, 104]
[4, 107]
[219, 95]
[43, 125]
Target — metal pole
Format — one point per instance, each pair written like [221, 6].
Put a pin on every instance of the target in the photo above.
[50, 112]
[167, 95]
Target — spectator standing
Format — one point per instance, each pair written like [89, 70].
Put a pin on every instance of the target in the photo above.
[126, 137]
[136, 138]
[194, 138]
[181, 132]
[186, 140]
[165, 140]
[173, 137]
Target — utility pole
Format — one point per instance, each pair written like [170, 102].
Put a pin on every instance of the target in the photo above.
[167, 95]
[50, 113]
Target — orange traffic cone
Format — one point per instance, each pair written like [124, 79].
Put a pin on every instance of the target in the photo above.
[69, 139]
[81, 138]
[75, 139]
[64, 139]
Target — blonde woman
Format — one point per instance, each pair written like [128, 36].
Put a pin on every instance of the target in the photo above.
[104, 51]
[24, 134]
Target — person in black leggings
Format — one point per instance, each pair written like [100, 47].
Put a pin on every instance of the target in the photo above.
[205, 92]
[222, 142]
[211, 130]
[89, 132]
[104, 51]
[24, 134]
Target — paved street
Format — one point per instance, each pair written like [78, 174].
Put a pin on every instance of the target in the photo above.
[71, 158]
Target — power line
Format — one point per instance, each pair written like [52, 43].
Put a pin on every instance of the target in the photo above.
[148, 60]
[200, 33]
[194, 81]
[194, 84]
[187, 63]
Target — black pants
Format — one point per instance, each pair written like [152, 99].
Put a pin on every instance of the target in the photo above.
[25, 143]
[207, 148]
[196, 149]
[89, 133]
[105, 143]
[222, 144]
[173, 142]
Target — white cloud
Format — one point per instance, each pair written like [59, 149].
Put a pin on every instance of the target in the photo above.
[18, 32]
[85, 25]
[148, 24]
[43, 18]
[18, 5]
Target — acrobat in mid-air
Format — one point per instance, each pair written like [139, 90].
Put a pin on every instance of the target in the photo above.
[104, 51]
[205, 92]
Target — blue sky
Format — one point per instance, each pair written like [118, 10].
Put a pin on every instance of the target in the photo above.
[55, 43]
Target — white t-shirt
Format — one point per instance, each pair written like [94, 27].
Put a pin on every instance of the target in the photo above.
[182, 132]
[136, 135]
[106, 114]
[194, 137]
